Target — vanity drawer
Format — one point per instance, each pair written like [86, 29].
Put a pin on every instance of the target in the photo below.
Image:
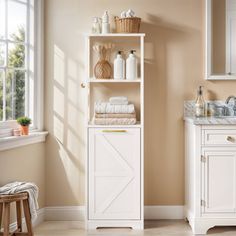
[219, 137]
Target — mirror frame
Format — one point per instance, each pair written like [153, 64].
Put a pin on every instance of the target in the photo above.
[208, 47]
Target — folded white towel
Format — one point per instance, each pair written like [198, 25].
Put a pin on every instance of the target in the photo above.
[118, 100]
[115, 121]
[106, 107]
[20, 187]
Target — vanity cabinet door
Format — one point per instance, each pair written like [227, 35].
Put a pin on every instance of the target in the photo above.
[219, 181]
[114, 173]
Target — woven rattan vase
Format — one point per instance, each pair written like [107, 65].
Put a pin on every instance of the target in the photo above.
[103, 70]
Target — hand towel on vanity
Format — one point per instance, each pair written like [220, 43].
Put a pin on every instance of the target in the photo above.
[118, 100]
[20, 187]
[106, 107]
[115, 115]
[114, 121]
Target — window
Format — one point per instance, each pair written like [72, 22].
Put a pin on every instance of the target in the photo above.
[20, 58]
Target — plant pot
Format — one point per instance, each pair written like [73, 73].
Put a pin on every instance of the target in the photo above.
[24, 130]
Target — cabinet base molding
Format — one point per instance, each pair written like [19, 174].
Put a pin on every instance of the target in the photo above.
[202, 224]
[134, 224]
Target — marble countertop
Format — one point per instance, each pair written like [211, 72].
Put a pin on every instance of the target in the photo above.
[211, 120]
[189, 116]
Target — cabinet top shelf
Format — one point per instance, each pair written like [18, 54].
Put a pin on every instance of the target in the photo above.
[117, 35]
[113, 81]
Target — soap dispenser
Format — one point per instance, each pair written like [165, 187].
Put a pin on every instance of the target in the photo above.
[131, 66]
[200, 103]
[119, 67]
[105, 23]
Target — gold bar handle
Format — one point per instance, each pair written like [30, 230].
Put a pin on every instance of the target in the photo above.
[230, 139]
[114, 131]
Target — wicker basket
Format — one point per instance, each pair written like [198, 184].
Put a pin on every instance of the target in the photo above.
[127, 25]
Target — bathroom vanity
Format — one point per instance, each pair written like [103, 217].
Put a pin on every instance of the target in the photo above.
[210, 172]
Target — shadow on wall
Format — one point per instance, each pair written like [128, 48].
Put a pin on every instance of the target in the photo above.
[67, 132]
[166, 78]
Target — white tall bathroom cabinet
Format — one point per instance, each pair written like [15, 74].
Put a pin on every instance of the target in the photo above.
[115, 166]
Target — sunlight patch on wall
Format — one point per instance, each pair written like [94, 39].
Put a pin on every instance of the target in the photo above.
[73, 92]
[58, 102]
[72, 69]
[70, 170]
[58, 129]
[72, 143]
[59, 66]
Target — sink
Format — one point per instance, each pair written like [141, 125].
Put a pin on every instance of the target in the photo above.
[223, 111]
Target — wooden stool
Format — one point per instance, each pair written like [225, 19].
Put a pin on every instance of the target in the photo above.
[5, 201]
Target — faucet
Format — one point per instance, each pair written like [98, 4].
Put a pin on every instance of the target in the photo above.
[228, 100]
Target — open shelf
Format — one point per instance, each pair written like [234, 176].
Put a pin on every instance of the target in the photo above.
[91, 125]
[92, 80]
[117, 35]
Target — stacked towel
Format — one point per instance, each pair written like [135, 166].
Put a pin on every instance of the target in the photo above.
[117, 111]
[20, 187]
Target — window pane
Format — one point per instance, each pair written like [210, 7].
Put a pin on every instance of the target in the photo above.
[17, 15]
[2, 19]
[1, 94]
[2, 54]
[15, 94]
[16, 55]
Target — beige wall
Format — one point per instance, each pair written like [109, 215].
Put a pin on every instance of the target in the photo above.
[25, 164]
[173, 70]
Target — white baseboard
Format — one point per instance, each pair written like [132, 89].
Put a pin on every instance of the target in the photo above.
[163, 212]
[77, 213]
[65, 213]
[40, 219]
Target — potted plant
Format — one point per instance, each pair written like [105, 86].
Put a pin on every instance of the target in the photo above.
[24, 123]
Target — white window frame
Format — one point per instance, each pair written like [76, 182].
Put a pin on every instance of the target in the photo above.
[38, 93]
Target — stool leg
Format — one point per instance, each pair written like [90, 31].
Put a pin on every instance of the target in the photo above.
[6, 219]
[27, 217]
[1, 209]
[19, 217]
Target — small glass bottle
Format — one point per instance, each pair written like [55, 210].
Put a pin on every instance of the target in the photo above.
[96, 28]
[200, 104]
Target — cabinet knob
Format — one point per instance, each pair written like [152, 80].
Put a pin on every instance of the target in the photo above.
[230, 139]
[82, 85]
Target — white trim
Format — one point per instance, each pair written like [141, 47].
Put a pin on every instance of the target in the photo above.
[19, 141]
[208, 34]
[208, 46]
[77, 213]
[38, 94]
[116, 35]
[39, 66]
[65, 213]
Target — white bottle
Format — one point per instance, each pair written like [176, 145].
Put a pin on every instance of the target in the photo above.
[131, 66]
[105, 23]
[119, 67]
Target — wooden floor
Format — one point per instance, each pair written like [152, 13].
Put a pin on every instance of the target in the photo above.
[152, 228]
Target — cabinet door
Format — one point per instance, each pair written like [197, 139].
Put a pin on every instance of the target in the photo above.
[114, 173]
[219, 181]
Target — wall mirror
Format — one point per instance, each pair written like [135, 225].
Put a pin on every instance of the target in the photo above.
[220, 39]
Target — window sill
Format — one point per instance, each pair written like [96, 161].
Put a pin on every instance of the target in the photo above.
[7, 143]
